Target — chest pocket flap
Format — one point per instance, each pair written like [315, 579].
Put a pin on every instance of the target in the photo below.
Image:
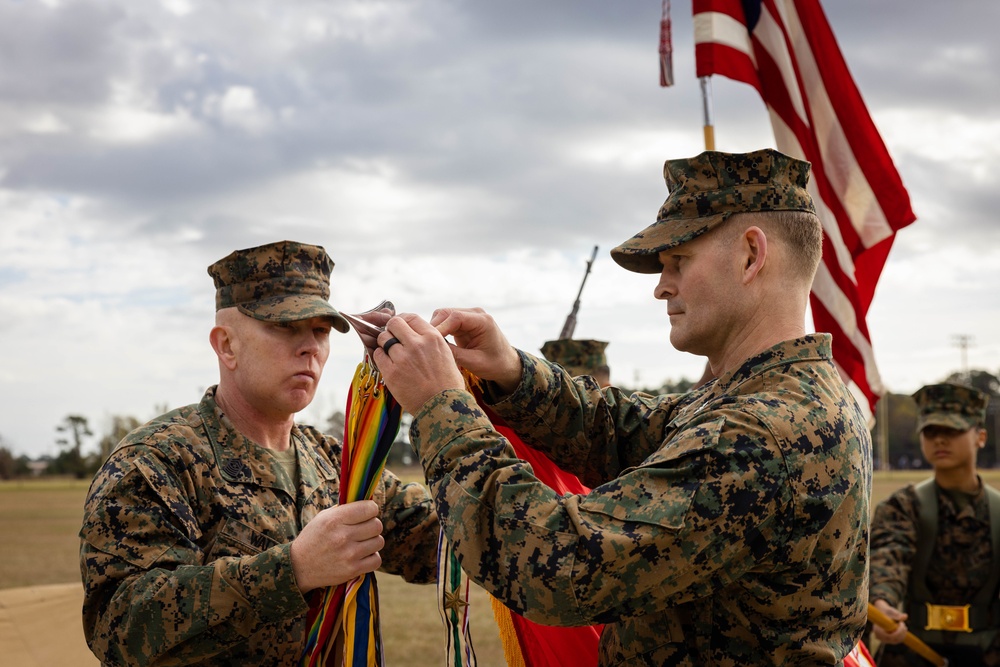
[661, 490]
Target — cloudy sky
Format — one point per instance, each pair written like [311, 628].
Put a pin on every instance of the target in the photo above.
[445, 152]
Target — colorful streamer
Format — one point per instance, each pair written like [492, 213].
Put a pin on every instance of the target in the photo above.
[453, 605]
[525, 644]
[343, 620]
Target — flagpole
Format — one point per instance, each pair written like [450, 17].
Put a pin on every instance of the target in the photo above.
[706, 105]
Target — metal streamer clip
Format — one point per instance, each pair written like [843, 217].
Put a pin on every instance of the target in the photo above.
[367, 330]
[363, 326]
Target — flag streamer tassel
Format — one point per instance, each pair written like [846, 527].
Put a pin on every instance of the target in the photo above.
[666, 47]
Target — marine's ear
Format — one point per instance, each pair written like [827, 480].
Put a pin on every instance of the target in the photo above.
[754, 244]
[224, 342]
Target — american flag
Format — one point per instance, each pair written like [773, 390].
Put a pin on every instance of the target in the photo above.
[786, 50]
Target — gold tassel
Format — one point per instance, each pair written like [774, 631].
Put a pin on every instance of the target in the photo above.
[508, 636]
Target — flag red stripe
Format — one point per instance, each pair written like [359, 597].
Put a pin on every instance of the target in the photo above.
[846, 285]
[867, 269]
[716, 59]
[844, 352]
[733, 8]
[803, 79]
[779, 99]
[878, 168]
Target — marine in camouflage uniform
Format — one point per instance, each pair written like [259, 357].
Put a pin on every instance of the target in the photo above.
[580, 356]
[726, 526]
[914, 563]
[187, 531]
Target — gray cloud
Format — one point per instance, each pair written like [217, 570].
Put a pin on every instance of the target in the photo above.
[58, 55]
[443, 151]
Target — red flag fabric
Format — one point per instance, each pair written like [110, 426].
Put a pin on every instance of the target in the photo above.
[787, 51]
[859, 657]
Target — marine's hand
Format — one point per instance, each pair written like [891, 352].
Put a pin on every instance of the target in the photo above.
[897, 635]
[339, 544]
[480, 345]
[420, 365]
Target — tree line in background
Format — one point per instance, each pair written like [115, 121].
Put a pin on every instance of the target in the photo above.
[894, 436]
[73, 460]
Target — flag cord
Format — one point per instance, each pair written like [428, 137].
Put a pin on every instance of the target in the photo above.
[706, 106]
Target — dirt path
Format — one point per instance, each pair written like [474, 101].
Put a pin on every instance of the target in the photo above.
[40, 626]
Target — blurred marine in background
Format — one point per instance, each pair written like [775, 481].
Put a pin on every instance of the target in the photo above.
[580, 357]
[935, 559]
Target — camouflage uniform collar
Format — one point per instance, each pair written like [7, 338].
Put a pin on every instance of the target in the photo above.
[239, 462]
[239, 459]
[811, 347]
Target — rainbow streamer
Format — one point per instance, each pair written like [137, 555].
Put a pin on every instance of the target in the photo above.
[344, 619]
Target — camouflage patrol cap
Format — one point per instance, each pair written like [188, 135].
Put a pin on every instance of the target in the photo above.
[956, 406]
[578, 357]
[277, 282]
[706, 190]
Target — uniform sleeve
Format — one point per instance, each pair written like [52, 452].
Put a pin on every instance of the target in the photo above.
[410, 528]
[148, 596]
[590, 432]
[691, 519]
[893, 547]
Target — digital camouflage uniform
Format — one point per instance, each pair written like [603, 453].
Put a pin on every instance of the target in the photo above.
[185, 544]
[962, 559]
[727, 526]
[186, 536]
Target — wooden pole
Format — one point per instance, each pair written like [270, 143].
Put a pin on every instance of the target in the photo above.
[706, 107]
[876, 616]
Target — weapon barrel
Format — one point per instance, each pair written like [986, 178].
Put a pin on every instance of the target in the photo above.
[570, 324]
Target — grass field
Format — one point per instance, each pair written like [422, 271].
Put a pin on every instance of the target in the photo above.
[39, 521]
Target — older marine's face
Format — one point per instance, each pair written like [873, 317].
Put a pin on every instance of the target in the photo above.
[279, 364]
[697, 282]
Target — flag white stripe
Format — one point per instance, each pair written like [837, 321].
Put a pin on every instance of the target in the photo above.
[824, 287]
[839, 306]
[793, 81]
[848, 181]
[723, 29]
[859, 395]
[789, 144]
[771, 36]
